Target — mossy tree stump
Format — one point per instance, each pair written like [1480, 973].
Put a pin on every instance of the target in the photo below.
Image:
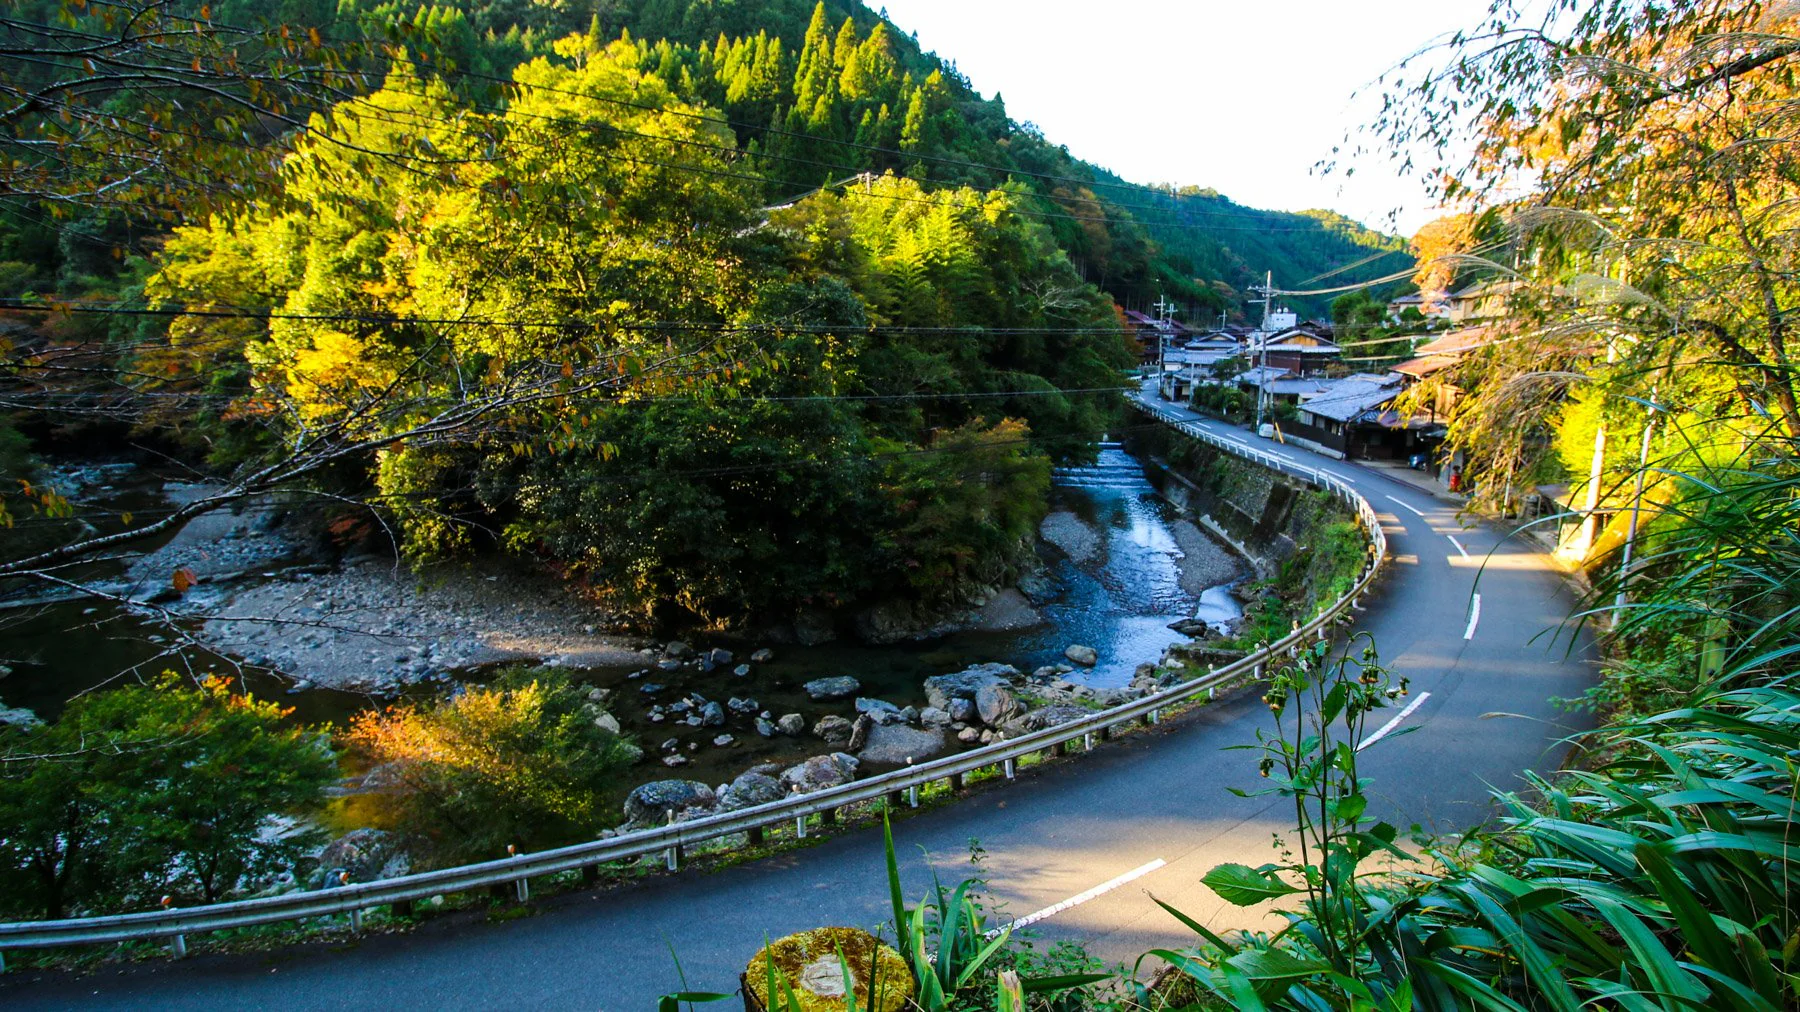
[813, 964]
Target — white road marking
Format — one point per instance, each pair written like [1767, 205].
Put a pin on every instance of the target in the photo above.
[1418, 511]
[1474, 616]
[1079, 898]
[1458, 544]
[1393, 722]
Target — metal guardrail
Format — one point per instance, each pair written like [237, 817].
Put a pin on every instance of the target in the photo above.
[668, 840]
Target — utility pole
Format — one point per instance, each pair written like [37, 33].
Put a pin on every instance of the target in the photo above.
[1267, 288]
[1164, 313]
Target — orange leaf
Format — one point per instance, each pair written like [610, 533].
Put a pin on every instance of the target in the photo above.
[183, 579]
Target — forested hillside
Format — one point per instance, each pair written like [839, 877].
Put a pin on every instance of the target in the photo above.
[661, 293]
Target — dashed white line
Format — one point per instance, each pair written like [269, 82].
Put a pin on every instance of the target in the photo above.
[1397, 499]
[1474, 616]
[1458, 544]
[1082, 897]
[1393, 722]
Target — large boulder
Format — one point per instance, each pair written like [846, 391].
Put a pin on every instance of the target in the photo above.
[962, 711]
[1048, 716]
[651, 804]
[823, 690]
[941, 689]
[749, 790]
[1087, 657]
[819, 773]
[367, 855]
[997, 703]
[834, 729]
[894, 744]
[931, 716]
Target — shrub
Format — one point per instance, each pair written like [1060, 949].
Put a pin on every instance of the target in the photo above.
[522, 761]
[151, 790]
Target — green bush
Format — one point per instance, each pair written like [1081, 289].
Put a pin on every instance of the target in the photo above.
[153, 790]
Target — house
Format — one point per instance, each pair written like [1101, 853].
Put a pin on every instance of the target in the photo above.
[1427, 304]
[1483, 300]
[1302, 350]
[1355, 417]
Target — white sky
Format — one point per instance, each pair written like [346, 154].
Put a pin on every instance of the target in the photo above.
[1243, 96]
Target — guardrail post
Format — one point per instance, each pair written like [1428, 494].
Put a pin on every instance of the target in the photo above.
[1010, 767]
[177, 943]
[356, 920]
[522, 886]
[1087, 742]
[956, 782]
[1156, 716]
[1060, 749]
[674, 853]
[895, 799]
[912, 793]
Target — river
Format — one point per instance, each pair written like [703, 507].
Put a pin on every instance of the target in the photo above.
[1121, 563]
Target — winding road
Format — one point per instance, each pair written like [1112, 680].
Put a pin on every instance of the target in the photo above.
[1084, 842]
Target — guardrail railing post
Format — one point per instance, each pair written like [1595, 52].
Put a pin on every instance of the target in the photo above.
[956, 782]
[177, 943]
[674, 853]
[912, 793]
[1010, 767]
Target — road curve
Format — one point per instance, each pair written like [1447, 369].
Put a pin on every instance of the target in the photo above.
[1153, 809]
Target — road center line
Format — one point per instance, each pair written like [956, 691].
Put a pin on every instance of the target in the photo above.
[1417, 511]
[1458, 544]
[1393, 722]
[1079, 898]
[1474, 616]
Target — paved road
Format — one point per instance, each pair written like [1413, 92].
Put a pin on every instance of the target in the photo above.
[1158, 797]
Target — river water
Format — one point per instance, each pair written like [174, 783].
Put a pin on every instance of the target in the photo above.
[1121, 564]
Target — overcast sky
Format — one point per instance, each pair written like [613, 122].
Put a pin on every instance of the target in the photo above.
[1243, 96]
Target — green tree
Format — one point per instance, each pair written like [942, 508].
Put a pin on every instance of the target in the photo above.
[523, 761]
[153, 789]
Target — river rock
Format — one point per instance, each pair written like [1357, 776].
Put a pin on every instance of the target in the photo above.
[674, 760]
[819, 773]
[724, 741]
[792, 724]
[931, 716]
[969, 735]
[1191, 627]
[859, 731]
[366, 854]
[749, 790]
[893, 744]
[742, 705]
[712, 715]
[678, 650]
[607, 722]
[18, 716]
[941, 689]
[962, 711]
[765, 727]
[909, 715]
[720, 657]
[650, 804]
[1087, 657]
[668, 664]
[839, 687]
[881, 710]
[742, 670]
[1048, 716]
[833, 728]
[996, 703]
[762, 655]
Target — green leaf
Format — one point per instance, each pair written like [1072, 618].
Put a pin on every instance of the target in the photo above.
[1062, 982]
[1276, 964]
[1243, 886]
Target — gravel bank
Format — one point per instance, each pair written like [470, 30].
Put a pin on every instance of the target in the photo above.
[376, 624]
[1205, 562]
